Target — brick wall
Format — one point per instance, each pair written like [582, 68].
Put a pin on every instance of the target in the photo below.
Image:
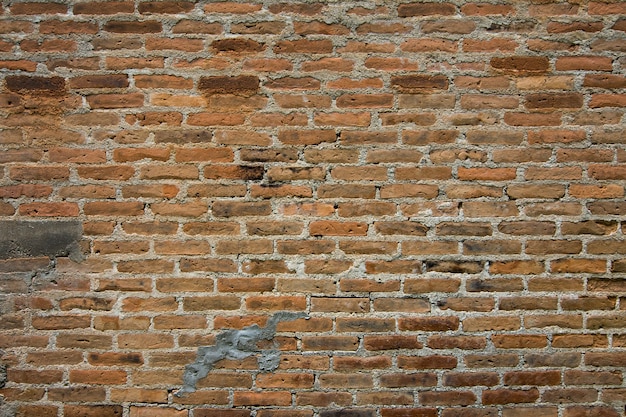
[438, 186]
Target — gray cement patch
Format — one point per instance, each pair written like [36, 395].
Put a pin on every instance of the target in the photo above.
[236, 345]
[25, 239]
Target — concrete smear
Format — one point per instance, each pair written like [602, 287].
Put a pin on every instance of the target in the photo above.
[237, 345]
[21, 239]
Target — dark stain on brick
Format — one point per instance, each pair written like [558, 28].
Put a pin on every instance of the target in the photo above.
[20, 239]
[26, 84]
[243, 85]
[237, 45]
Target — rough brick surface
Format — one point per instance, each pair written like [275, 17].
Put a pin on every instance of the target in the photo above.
[437, 184]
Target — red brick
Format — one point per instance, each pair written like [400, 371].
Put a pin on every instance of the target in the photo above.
[510, 396]
[595, 411]
[304, 46]
[285, 380]
[426, 9]
[442, 323]
[524, 65]
[448, 398]
[104, 8]
[120, 26]
[354, 380]
[554, 101]
[576, 63]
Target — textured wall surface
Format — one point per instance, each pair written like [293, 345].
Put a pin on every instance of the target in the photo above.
[431, 191]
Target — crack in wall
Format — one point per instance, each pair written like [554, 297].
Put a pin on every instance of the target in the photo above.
[236, 345]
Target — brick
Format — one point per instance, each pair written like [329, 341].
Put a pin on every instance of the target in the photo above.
[503, 45]
[35, 85]
[540, 411]
[217, 412]
[258, 28]
[38, 8]
[449, 398]
[510, 396]
[48, 45]
[328, 64]
[306, 285]
[391, 342]
[331, 304]
[307, 362]
[60, 322]
[554, 101]
[426, 9]
[358, 137]
[517, 191]
[38, 410]
[364, 325]
[383, 28]
[368, 247]
[460, 342]
[82, 394]
[519, 341]
[169, 7]
[346, 191]
[454, 26]
[427, 362]
[427, 101]
[386, 64]
[119, 26]
[569, 395]
[48, 210]
[156, 412]
[486, 174]
[303, 47]
[355, 380]
[532, 378]
[115, 101]
[326, 266]
[409, 412]
[521, 65]
[306, 137]
[517, 267]
[296, 8]
[64, 28]
[582, 411]
[417, 83]
[365, 101]
[593, 63]
[402, 380]
[285, 380]
[494, 284]
[409, 190]
[230, 209]
[385, 398]
[242, 85]
[466, 304]
[428, 45]
[25, 376]
[46, 358]
[443, 323]
[236, 45]
[474, 191]
[348, 413]
[294, 247]
[103, 8]
[483, 323]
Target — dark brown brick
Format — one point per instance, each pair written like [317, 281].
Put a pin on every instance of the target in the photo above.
[245, 85]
